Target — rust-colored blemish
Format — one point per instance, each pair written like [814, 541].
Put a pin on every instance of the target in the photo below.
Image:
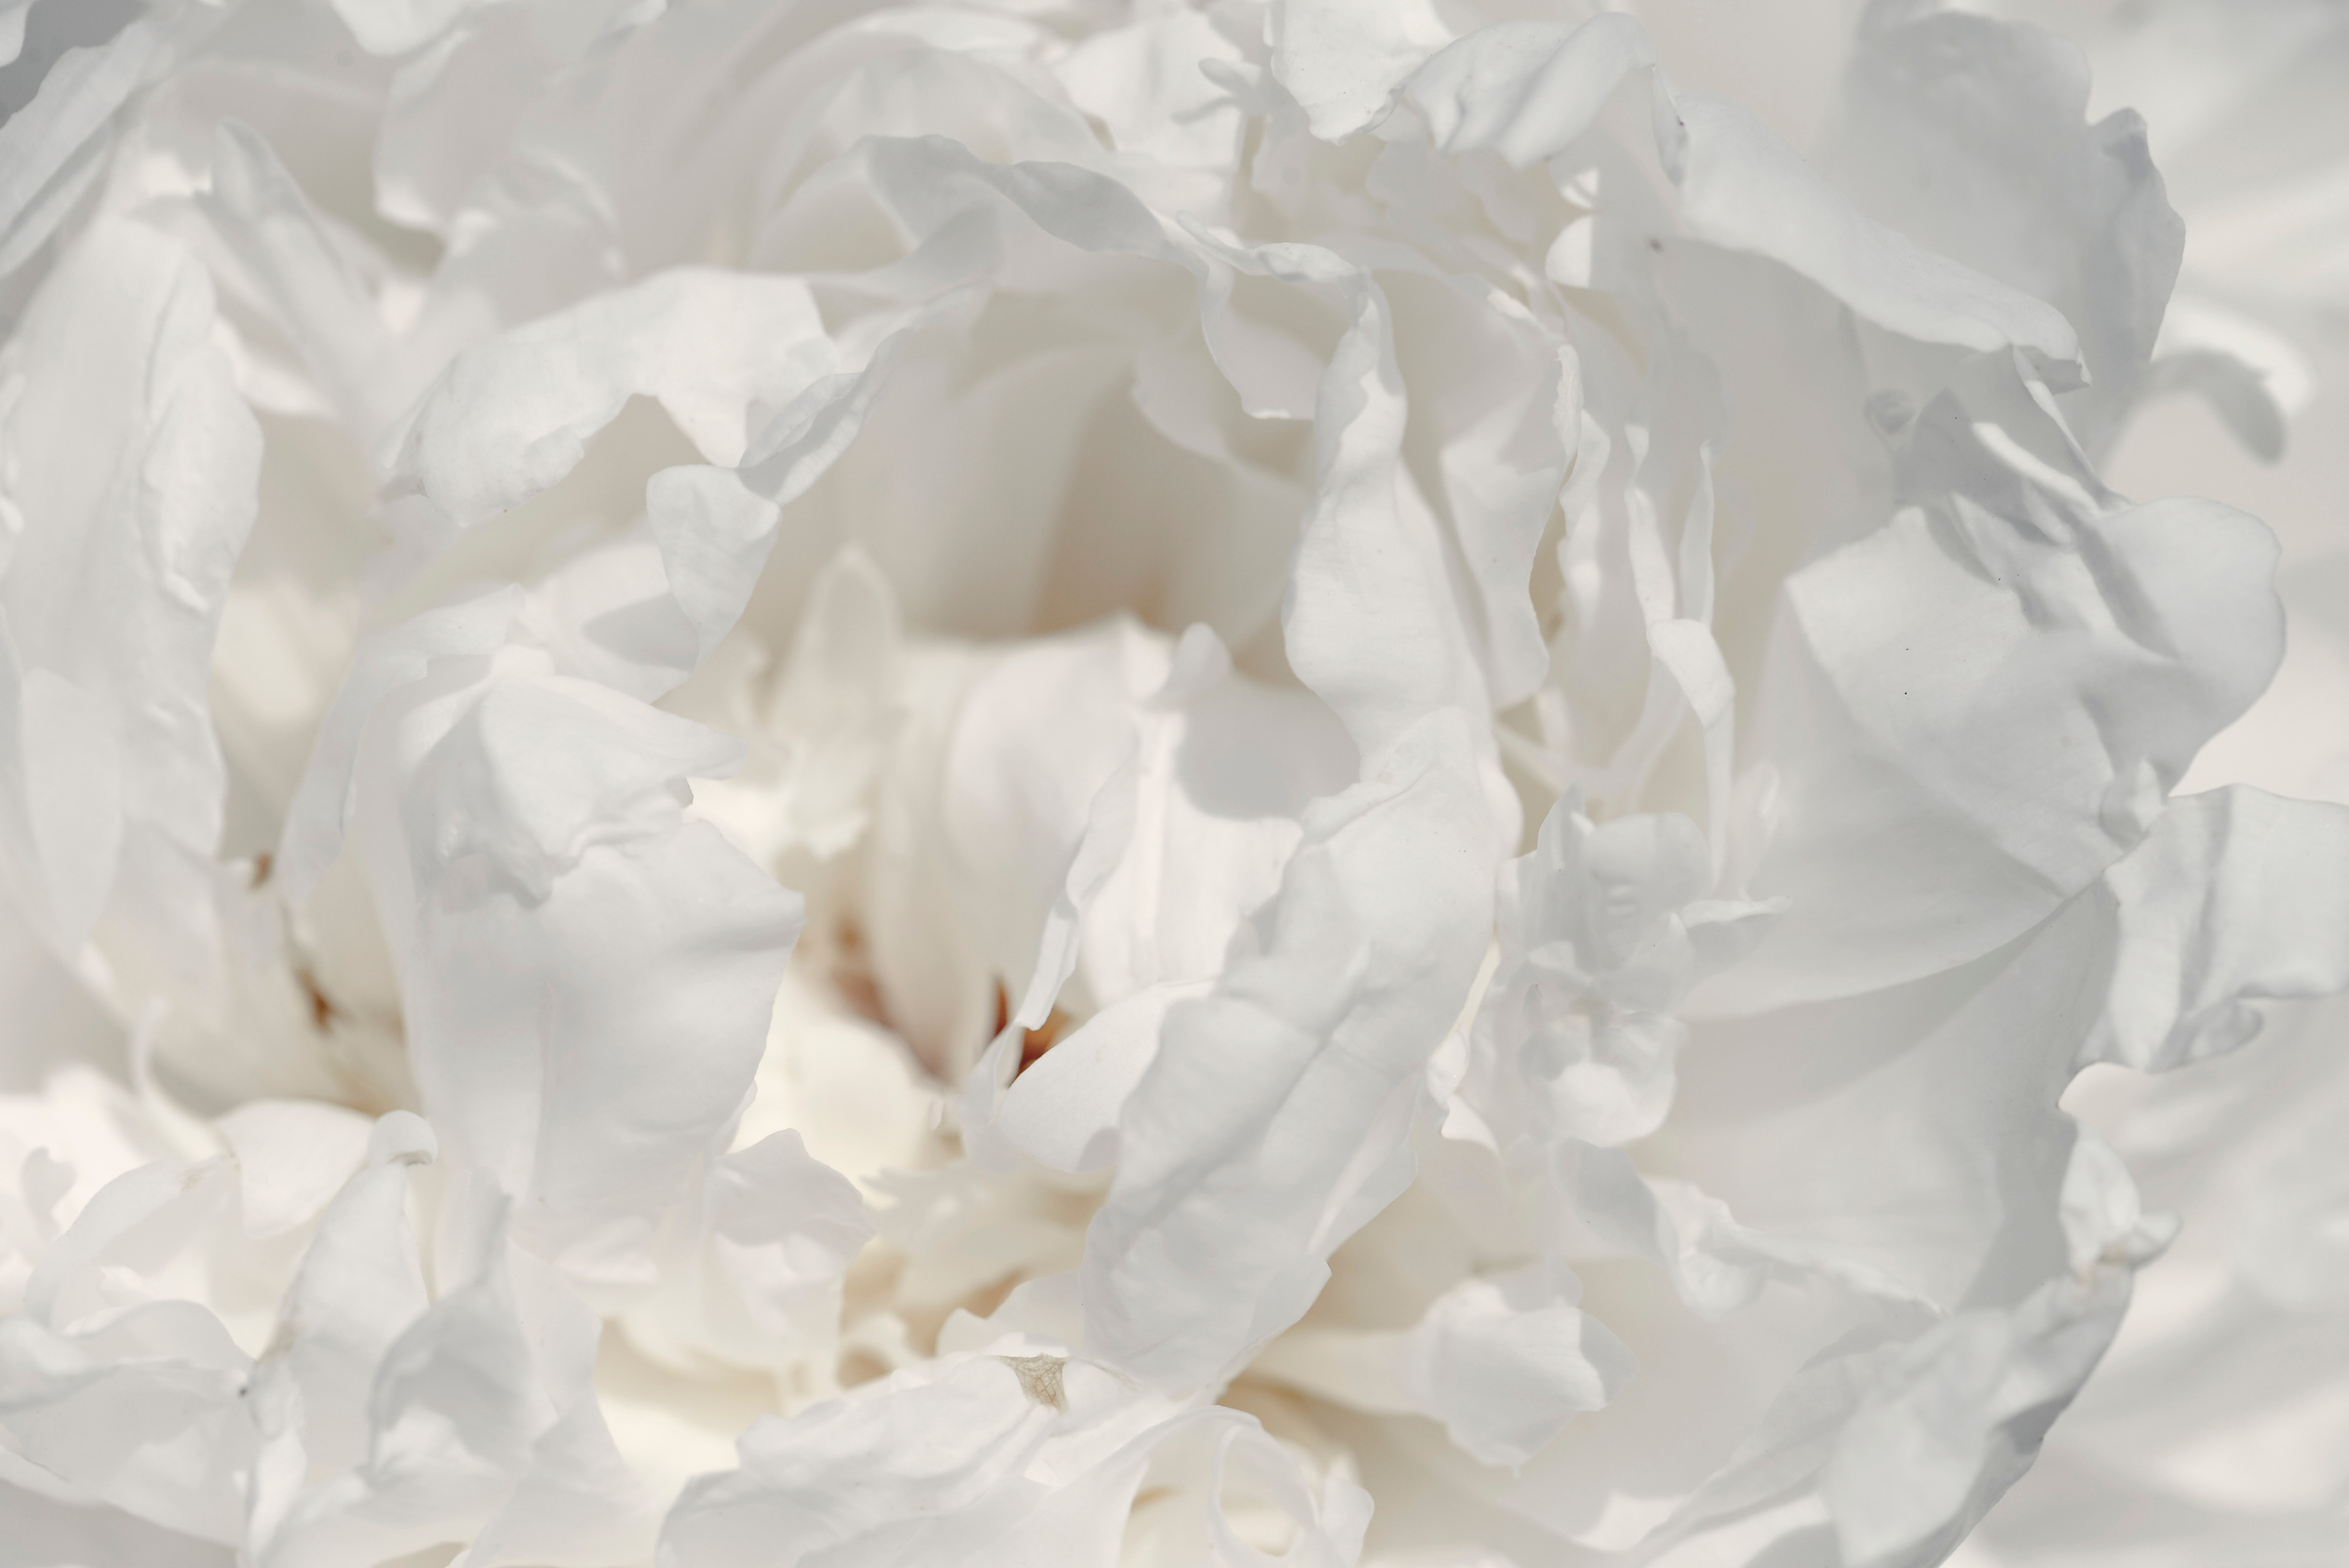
[263, 864]
[852, 979]
[323, 1011]
[1033, 1043]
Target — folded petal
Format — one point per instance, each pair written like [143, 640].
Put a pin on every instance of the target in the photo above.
[132, 468]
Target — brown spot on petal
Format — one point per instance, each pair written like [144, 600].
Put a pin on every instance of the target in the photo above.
[1033, 1043]
[1040, 1378]
[852, 977]
[323, 1011]
[263, 864]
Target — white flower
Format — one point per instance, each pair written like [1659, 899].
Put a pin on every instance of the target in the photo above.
[1135, 783]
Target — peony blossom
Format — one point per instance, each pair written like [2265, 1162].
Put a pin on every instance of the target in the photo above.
[1103, 783]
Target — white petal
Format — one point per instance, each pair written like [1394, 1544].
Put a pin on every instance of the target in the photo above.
[1957, 1415]
[1744, 189]
[991, 1460]
[41, 1532]
[304, 278]
[132, 468]
[1923, 675]
[913, 1468]
[558, 924]
[1526, 89]
[49, 143]
[1503, 1361]
[2235, 896]
[785, 1227]
[1343, 62]
[510, 418]
[395, 26]
[482, 1428]
[1990, 118]
[1062, 1109]
[291, 1156]
[1271, 1125]
[134, 1398]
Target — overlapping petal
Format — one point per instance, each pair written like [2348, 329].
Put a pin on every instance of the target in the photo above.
[879, 669]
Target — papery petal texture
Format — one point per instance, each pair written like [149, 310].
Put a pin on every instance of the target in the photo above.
[1160, 782]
